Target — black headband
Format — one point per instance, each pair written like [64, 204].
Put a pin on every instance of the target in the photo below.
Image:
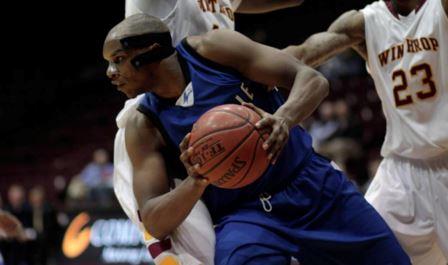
[145, 40]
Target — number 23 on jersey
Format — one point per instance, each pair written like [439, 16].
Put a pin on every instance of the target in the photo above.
[400, 77]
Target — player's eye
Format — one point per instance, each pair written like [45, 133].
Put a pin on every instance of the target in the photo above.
[118, 59]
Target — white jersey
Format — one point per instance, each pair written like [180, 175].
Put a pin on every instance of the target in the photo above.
[122, 164]
[193, 241]
[408, 60]
[187, 17]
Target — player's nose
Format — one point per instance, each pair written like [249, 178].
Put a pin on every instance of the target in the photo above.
[112, 72]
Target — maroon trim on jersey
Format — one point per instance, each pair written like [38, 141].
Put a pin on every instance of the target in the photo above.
[156, 248]
[394, 12]
[391, 8]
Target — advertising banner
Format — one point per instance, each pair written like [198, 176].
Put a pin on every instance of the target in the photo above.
[103, 238]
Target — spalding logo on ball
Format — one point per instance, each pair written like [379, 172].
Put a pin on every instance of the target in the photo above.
[228, 146]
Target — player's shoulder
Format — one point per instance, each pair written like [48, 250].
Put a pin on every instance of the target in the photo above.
[128, 108]
[353, 18]
[142, 135]
[350, 23]
[138, 121]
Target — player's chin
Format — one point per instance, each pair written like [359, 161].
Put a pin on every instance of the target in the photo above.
[129, 92]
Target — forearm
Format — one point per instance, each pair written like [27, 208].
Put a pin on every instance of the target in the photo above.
[163, 214]
[319, 48]
[309, 89]
[263, 6]
[345, 32]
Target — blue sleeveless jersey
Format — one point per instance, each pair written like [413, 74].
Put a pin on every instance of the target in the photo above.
[212, 85]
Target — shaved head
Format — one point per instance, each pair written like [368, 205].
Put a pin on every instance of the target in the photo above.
[136, 25]
[134, 49]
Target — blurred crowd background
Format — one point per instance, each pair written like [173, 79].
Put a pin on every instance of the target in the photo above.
[57, 112]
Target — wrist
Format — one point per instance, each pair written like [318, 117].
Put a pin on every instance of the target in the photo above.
[197, 184]
[287, 116]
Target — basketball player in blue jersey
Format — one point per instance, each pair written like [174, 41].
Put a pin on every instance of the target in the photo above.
[183, 18]
[301, 206]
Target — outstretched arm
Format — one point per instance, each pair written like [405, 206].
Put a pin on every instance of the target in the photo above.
[263, 6]
[271, 67]
[161, 210]
[345, 32]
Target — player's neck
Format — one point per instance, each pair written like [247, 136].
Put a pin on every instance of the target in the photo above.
[405, 7]
[172, 80]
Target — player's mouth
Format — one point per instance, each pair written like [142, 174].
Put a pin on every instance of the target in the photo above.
[117, 83]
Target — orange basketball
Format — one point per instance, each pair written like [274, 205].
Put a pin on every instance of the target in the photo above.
[228, 147]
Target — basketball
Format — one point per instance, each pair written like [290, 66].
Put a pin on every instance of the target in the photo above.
[228, 147]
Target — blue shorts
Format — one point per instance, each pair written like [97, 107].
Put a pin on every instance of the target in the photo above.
[319, 218]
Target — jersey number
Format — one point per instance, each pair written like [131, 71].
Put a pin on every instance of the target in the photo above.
[427, 92]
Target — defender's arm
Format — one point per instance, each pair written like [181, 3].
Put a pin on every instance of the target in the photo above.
[346, 31]
[263, 6]
[161, 210]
